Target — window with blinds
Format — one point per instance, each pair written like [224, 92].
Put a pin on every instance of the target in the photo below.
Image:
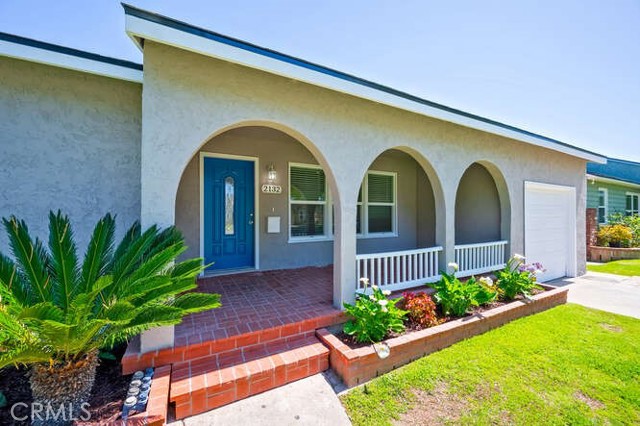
[377, 204]
[307, 201]
[602, 205]
[632, 203]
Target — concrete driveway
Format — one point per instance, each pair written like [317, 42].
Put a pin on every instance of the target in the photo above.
[607, 292]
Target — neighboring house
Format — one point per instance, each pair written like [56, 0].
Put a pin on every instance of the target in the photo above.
[612, 188]
[266, 161]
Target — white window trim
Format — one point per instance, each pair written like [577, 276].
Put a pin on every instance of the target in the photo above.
[606, 206]
[633, 194]
[364, 207]
[328, 212]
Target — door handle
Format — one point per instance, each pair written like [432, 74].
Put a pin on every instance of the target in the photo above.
[250, 218]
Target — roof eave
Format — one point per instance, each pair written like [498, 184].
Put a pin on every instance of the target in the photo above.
[144, 25]
[607, 179]
[22, 48]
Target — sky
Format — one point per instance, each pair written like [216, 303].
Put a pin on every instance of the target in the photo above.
[567, 69]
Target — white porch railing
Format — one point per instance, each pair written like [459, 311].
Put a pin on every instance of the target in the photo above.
[399, 270]
[480, 258]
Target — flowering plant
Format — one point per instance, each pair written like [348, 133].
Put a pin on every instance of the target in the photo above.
[421, 308]
[374, 316]
[518, 277]
[457, 297]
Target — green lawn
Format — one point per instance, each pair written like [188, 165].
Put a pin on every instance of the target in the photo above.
[568, 365]
[620, 267]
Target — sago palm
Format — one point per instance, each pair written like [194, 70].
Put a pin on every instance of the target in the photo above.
[57, 312]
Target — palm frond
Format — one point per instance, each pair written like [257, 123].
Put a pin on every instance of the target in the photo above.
[130, 236]
[42, 311]
[87, 336]
[145, 285]
[30, 257]
[11, 282]
[64, 260]
[120, 312]
[165, 238]
[196, 302]
[163, 293]
[89, 303]
[156, 316]
[188, 268]
[131, 257]
[156, 263]
[99, 251]
[24, 355]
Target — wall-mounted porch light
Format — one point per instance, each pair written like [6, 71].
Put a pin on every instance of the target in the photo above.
[272, 175]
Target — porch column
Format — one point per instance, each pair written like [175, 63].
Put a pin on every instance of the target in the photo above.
[157, 206]
[449, 228]
[344, 254]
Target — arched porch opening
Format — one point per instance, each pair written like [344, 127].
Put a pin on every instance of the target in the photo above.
[482, 220]
[399, 221]
[254, 188]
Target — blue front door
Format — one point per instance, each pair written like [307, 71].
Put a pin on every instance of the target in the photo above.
[228, 213]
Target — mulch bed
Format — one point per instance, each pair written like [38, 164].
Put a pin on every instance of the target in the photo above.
[107, 397]
[412, 326]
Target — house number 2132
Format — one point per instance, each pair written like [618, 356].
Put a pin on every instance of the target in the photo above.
[271, 189]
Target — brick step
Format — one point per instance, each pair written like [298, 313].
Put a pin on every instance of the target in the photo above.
[204, 346]
[206, 383]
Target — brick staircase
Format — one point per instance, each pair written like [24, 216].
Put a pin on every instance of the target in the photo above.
[211, 373]
[206, 383]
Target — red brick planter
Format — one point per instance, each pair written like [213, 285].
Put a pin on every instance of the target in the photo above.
[356, 366]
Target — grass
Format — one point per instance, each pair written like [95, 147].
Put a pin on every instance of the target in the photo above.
[619, 267]
[567, 365]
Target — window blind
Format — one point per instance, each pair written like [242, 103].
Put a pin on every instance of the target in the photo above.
[307, 184]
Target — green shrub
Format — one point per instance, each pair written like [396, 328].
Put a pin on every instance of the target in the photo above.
[374, 316]
[632, 222]
[517, 278]
[57, 311]
[617, 235]
[457, 297]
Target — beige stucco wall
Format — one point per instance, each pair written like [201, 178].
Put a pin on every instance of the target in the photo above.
[69, 141]
[189, 98]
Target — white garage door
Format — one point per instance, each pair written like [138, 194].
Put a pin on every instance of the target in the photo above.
[550, 228]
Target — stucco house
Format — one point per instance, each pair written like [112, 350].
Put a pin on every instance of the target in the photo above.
[267, 162]
[612, 189]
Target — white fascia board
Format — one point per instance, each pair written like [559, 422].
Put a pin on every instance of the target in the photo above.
[62, 60]
[138, 27]
[610, 180]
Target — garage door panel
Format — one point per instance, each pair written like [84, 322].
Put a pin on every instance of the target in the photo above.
[549, 228]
